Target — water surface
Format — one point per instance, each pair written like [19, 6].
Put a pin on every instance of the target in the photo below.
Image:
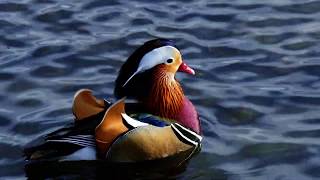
[256, 89]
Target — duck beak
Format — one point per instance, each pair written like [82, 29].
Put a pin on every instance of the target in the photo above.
[185, 68]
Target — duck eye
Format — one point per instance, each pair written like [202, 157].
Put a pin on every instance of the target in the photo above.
[169, 60]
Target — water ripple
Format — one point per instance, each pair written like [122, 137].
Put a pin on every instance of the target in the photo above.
[256, 88]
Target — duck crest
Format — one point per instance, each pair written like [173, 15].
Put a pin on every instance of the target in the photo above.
[166, 96]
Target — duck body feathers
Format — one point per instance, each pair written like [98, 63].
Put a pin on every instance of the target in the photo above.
[116, 136]
[161, 123]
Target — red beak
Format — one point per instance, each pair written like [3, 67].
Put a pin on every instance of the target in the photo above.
[185, 68]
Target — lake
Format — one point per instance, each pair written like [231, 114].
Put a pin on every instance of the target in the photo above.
[257, 83]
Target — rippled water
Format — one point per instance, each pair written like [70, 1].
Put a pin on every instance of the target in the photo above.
[256, 89]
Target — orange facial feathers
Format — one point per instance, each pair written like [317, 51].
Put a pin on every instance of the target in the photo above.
[166, 95]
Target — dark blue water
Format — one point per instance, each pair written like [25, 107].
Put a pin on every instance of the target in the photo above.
[257, 87]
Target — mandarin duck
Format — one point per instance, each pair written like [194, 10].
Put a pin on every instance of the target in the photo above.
[151, 120]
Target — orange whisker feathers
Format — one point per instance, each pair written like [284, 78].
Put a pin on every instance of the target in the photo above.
[166, 96]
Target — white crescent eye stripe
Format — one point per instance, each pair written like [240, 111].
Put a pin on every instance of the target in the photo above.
[130, 78]
[157, 56]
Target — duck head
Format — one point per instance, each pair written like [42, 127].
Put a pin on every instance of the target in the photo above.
[148, 76]
[155, 56]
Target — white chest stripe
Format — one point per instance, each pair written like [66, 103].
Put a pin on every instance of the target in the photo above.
[185, 133]
[196, 136]
[189, 131]
[132, 122]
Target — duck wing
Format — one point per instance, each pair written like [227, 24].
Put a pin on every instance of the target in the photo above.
[77, 135]
[88, 112]
[65, 141]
